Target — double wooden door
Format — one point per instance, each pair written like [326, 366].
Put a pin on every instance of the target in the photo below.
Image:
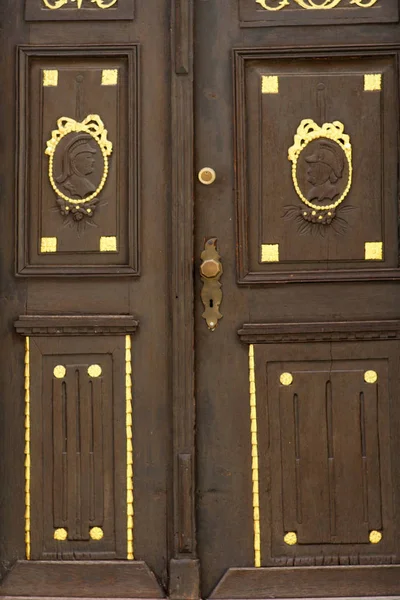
[208, 414]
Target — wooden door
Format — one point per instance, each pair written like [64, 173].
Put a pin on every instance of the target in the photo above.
[85, 411]
[297, 386]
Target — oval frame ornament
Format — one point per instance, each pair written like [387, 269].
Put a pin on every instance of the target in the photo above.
[91, 125]
[307, 132]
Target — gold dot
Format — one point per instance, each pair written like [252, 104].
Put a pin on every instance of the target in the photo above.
[78, 207]
[96, 533]
[59, 372]
[60, 534]
[305, 214]
[320, 217]
[329, 214]
[290, 538]
[375, 537]
[286, 378]
[314, 212]
[370, 376]
[94, 371]
[89, 210]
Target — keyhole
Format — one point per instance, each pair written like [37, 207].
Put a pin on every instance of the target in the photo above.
[211, 303]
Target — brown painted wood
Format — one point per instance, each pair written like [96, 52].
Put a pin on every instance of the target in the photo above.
[184, 567]
[92, 315]
[80, 579]
[287, 583]
[318, 476]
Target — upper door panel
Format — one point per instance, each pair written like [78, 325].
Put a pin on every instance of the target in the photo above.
[74, 10]
[264, 13]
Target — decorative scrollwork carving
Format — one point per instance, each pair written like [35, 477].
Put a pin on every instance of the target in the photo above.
[54, 4]
[274, 5]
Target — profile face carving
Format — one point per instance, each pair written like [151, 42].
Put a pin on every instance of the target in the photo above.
[325, 169]
[78, 163]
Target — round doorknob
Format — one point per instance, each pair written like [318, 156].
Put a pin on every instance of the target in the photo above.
[210, 268]
[207, 176]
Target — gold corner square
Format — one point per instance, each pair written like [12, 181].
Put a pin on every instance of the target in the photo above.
[373, 251]
[270, 84]
[50, 78]
[108, 244]
[48, 244]
[373, 82]
[270, 253]
[109, 77]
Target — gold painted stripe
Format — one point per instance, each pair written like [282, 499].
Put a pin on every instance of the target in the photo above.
[254, 459]
[129, 449]
[27, 463]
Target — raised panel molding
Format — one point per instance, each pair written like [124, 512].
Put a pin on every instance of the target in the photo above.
[286, 231]
[78, 161]
[324, 437]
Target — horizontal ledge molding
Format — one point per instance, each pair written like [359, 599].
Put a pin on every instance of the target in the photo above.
[373, 581]
[272, 333]
[73, 579]
[57, 325]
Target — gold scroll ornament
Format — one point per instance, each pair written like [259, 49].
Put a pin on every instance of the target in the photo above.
[54, 4]
[274, 5]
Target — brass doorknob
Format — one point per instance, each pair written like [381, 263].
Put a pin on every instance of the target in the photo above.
[210, 268]
[207, 176]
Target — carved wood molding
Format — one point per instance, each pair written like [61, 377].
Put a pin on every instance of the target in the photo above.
[60, 325]
[330, 331]
[184, 572]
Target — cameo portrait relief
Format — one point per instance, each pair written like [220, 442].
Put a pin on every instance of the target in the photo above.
[77, 167]
[324, 171]
[78, 164]
[322, 174]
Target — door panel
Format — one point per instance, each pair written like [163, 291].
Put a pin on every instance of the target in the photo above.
[298, 478]
[86, 501]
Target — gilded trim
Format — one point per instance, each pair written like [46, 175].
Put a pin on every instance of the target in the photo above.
[50, 78]
[373, 82]
[27, 463]
[312, 5]
[129, 448]
[269, 253]
[108, 243]
[270, 84]
[254, 459]
[373, 251]
[55, 4]
[48, 244]
[109, 77]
